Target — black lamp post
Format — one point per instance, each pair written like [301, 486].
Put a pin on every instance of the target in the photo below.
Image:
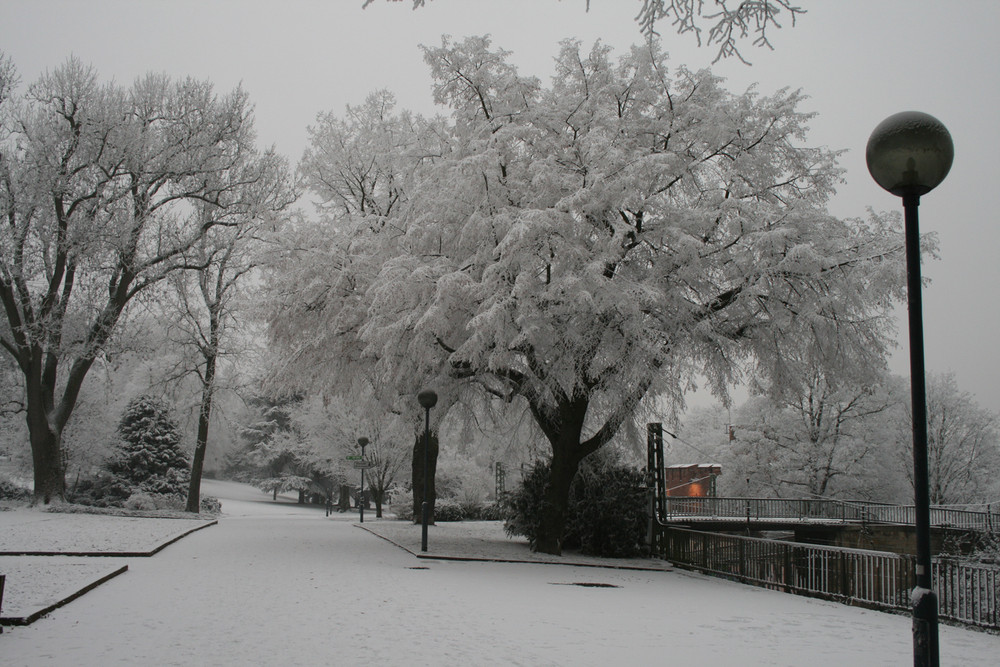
[427, 399]
[361, 494]
[909, 154]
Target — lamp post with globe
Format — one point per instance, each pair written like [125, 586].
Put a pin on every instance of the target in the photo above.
[909, 154]
[427, 399]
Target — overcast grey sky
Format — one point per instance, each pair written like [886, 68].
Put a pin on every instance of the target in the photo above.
[858, 60]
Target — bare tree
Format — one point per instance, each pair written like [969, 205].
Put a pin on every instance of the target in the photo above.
[102, 190]
[206, 300]
[963, 444]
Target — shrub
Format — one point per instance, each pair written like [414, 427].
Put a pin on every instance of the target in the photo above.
[210, 505]
[523, 513]
[448, 509]
[608, 511]
[101, 491]
[10, 490]
[606, 514]
[140, 500]
[482, 511]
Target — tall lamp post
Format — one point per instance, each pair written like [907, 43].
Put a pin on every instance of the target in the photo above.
[909, 154]
[427, 399]
[362, 442]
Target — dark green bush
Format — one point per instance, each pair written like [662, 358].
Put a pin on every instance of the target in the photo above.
[606, 515]
[608, 511]
[101, 491]
[523, 512]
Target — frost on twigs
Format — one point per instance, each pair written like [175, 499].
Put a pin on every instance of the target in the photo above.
[726, 22]
[727, 25]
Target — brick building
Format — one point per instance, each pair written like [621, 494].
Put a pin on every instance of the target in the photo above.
[692, 479]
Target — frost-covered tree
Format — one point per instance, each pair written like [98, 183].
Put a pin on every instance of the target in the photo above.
[150, 457]
[822, 439]
[280, 453]
[724, 23]
[963, 444]
[581, 246]
[104, 189]
[202, 303]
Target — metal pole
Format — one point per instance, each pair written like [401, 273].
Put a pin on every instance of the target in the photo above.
[424, 507]
[361, 493]
[925, 614]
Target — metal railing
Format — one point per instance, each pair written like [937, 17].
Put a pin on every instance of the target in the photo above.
[967, 592]
[824, 509]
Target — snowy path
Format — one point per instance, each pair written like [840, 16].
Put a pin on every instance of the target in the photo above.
[275, 583]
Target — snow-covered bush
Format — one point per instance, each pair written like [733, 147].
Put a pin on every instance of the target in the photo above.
[524, 504]
[140, 500]
[606, 514]
[150, 458]
[103, 490]
[10, 490]
[448, 509]
[210, 505]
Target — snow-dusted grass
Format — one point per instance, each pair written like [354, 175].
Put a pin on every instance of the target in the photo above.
[278, 583]
[35, 531]
[37, 582]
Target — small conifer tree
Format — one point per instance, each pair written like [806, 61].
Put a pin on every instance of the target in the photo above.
[150, 458]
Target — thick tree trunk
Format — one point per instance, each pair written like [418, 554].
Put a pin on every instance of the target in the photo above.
[563, 427]
[418, 476]
[46, 455]
[50, 480]
[565, 463]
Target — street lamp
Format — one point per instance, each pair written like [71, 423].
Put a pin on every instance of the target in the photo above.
[909, 154]
[427, 399]
[361, 494]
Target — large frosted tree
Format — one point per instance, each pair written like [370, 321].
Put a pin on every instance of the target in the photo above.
[104, 190]
[583, 245]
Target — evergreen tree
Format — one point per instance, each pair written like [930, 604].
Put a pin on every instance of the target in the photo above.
[150, 457]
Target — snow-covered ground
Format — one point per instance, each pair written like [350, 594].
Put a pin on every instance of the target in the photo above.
[279, 583]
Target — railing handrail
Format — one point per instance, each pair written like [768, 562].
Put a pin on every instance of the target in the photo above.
[825, 508]
[967, 592]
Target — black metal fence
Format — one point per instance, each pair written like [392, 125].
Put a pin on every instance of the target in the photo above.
[805, 509]
[967, 592]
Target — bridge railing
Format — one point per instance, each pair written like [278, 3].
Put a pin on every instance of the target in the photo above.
[679, 507]
[967, 592]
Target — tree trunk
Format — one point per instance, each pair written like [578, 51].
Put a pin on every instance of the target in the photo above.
[46, 454]
[50, 481]
[201, 444]
[554, 511]
[563, 427]
[344, 501]
[418, 476]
